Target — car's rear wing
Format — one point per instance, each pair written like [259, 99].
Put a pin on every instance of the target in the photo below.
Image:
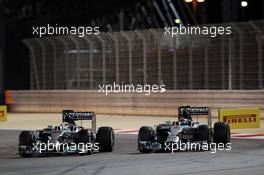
[196, 111]
[71, 116]
[68, 114]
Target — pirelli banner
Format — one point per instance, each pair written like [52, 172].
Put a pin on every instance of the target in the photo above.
[3, 113]
[241, 118]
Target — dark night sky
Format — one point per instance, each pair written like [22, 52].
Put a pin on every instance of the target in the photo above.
[21, 15]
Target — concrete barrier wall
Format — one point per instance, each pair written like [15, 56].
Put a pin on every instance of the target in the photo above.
[156, 104]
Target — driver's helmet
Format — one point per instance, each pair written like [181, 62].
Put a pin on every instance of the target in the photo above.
[186, 115]
[68, 120]
[186, 118]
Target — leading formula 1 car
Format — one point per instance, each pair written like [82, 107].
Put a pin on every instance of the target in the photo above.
[68, 137]
[185, 130]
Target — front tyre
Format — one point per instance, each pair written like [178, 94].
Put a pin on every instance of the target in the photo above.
[204, 133]
[106, 139]
[145, 134]
[85, 138]
[25, 143]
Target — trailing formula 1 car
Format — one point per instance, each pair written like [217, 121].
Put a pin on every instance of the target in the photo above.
[161, 137]
[68, 137]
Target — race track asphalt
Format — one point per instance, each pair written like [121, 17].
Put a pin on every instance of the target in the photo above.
[246, 157]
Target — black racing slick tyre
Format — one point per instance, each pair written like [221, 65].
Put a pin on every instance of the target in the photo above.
[25, 140]
[145, 133]
[221, 133]
[106, 139]
[203, 133]
[84, 138]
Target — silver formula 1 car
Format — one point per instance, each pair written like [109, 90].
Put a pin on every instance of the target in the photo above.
[68, 137]
[161, 137]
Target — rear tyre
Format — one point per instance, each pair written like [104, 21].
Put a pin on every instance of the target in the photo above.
[25, 140]
[145, 133]
[221, 133]
[106, 139]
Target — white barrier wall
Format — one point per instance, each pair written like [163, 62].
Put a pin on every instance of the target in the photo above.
[156, 104]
